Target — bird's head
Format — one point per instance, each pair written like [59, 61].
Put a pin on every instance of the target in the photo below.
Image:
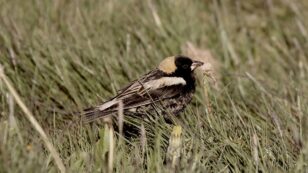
[179, 63]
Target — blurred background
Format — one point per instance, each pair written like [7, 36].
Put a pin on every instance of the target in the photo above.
[63, 56]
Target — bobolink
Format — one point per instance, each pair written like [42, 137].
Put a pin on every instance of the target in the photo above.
[166, 90]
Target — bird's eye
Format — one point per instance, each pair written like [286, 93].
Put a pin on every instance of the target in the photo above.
[185, 66]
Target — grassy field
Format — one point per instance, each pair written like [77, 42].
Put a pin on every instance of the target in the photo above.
[63, 56]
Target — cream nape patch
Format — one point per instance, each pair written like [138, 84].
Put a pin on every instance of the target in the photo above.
[168, 65]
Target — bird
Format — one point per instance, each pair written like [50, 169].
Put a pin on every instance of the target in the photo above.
[167, 90]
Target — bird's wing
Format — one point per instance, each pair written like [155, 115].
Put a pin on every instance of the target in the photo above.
[150, 88]
[134, 101]
[152, 75]
[150, 95]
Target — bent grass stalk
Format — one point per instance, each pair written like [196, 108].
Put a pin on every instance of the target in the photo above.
[33, 121]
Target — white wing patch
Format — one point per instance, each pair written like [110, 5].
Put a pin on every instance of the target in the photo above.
[164, 81]
[142, 88]
[108, 104]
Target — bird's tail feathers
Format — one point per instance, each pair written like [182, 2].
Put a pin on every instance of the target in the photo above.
[104, 110]
[91, 114]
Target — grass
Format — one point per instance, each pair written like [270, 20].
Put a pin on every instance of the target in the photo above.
[63, 56]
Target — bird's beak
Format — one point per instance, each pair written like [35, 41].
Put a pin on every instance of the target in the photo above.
[196, 64]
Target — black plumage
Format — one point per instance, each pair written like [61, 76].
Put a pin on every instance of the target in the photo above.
[166, 89]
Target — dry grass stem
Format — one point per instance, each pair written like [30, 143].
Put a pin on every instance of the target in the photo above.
[120, 116]
[174, 149]
[33, 121]
[255, 144]
[111, 148]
